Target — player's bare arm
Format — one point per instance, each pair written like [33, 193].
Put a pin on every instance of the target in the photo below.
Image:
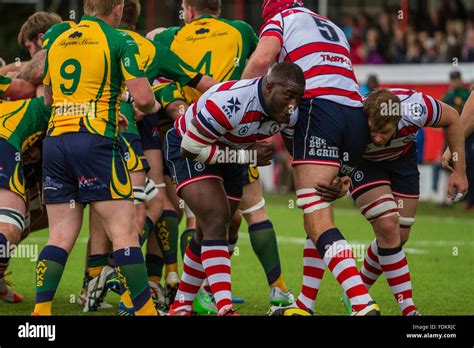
[20, 89]
[454, 136]
[33, 72]
[467, 116]
[176, 109]
[263, 57]
[205, 83]
[143, 96]
[12, 68]
[467, 124]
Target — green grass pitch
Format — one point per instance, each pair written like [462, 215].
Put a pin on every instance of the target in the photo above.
[440, 255]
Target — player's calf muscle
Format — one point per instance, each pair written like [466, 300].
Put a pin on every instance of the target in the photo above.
[318, 222]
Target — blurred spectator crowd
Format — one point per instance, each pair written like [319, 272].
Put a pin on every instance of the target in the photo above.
[441, 35]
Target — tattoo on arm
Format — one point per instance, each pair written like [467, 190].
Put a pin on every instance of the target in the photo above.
[34, 71]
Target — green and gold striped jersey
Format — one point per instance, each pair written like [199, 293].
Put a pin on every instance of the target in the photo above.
[167, 92]
[54, 32]
[213, 46]
[23, 122]
[5, 83]
[156, 60]
[86, 67]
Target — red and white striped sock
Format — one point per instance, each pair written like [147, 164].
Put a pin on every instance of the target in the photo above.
[216, 262]
[313, 271]
[371, 270]
[395, 268]
[340, 261]
[191, 280]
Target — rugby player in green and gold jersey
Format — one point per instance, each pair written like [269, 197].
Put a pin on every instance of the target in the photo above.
[86, 68]
[22, 124]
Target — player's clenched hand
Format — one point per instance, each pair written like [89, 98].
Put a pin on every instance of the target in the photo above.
[123, 123]
[457, 186]
[138, 114]
[447, 160]
[338, 188]
[265, 151]
[32, 155]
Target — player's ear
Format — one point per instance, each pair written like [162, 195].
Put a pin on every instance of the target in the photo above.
[39, 42]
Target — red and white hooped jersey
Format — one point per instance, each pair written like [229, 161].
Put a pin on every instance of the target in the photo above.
[418, 111]
[233, 114]
[321, 49]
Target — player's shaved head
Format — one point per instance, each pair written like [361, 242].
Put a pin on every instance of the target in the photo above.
[131, 13]
[39, 23]
[287, 73]
[383, 109]
[210, 6]
[283, 88]
[100, 7]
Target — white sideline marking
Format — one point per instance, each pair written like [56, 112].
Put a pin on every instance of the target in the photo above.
[243, 235]
[426, 243]
[429, 218]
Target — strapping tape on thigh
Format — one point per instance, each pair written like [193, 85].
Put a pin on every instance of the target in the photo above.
[139, 194]
[256, 207]
[310, 201]
[382, 207]
[406, 222]
[12, 217]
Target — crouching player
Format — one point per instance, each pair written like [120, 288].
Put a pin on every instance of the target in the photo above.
[386, 186]
[22, 123]
[229, 118]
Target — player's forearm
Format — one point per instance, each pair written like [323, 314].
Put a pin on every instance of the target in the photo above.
[263, 57]
[149, 107]
[20, 89]
[257, 66]
[205, 83]
[467, 117]
[454, 134]
[13, 67]
[176, 109]
[34, 71]
[143, 95]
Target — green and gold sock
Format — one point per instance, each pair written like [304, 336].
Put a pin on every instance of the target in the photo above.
[147, 229]
[49, 269]
[167, 233]
[185, 238]
[132, 273]
[264, 244]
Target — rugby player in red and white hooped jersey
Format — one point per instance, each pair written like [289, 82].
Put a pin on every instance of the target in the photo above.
[206, 153]
[386, 184]
[331, 134]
